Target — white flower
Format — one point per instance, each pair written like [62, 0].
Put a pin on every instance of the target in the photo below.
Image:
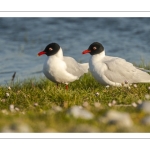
[147, 96]
[114, 102]
[97, 94]
[97, 104]
[35, 104]
[11, 107]
[85, 104]
[134, 104]
[139, 101]
[107, 86]
[109, 104]
[7, 94]
[9, 88]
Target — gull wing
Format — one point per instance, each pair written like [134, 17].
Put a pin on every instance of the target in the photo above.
[119, 70]
[75, 68]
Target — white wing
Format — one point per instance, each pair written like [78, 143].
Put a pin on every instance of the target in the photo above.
[119, 70]
[75, 68]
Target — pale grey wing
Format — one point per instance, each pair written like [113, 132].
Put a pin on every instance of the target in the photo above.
[73, 67]
[85, 67]
[119, 70]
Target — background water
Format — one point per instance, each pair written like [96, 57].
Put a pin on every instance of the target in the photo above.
[22, 38]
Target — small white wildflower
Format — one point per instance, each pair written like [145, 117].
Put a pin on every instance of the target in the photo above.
[139, 101]
[149, 88]
[135, 85]
[79, 112]
[57, 108]
[85, 104]
[107, 86]
[97, 94]
[114, 102]
[11, 107]
[35, 104]
[109, 104]
[97, 104]
[134, 104]
[9, 88]
[16, 108]
[7, 94]
[23, 113]
[147, 96]
[129, 87]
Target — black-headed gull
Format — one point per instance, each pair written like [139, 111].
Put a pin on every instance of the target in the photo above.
[113, 71]
[61, 69]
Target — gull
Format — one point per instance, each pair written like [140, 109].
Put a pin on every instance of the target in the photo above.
[59, 68]
[114, 71]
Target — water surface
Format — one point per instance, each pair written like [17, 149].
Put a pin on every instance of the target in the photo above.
[22, 38]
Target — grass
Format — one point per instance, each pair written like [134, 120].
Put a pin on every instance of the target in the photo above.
[41, 106]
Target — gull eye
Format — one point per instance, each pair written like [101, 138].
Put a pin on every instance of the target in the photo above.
[94, 48]
[50, 49]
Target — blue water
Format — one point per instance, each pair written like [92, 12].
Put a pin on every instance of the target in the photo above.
[22, 38]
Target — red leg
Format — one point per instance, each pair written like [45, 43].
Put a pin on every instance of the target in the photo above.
[67, 87]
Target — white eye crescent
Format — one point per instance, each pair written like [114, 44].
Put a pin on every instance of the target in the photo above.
[50, 49]
[94, 48]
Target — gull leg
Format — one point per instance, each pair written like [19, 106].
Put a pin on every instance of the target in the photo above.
[66, 86]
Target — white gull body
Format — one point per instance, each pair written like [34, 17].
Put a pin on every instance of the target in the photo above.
[115, 71]
[61, 69]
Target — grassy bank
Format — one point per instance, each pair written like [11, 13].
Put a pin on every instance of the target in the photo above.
[41, 106]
